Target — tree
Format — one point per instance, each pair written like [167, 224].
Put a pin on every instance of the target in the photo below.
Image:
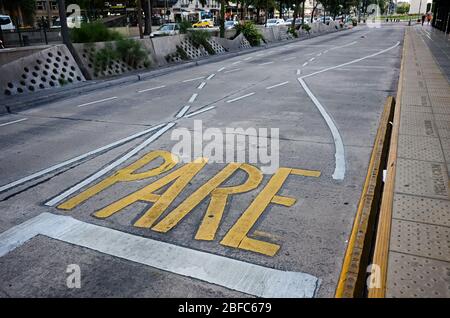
[66, 38]
[28, 8]
[403, 8]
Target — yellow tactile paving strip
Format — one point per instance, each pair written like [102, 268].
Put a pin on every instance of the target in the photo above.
[418, 258]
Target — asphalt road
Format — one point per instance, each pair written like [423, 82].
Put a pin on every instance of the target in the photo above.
[325, 95]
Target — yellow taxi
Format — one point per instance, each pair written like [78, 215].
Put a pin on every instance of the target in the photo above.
[203, 24]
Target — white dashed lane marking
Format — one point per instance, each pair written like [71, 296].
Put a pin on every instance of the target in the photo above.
[98, 101]
[13, 122]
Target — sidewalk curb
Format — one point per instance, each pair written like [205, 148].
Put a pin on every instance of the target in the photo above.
[357, 255]
[34, 100]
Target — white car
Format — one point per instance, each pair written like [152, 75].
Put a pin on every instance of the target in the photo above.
[274, 22]
[166, 29]
[298, 21]
[230, 25]
[6, 23]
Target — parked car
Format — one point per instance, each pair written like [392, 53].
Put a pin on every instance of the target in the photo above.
[230, 24]
[166, 29]
[327, 20]
[206, 23]
[274, 22]
[6, 23]
[298, 21]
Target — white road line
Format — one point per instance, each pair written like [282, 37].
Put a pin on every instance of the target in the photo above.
[97, 101]
[13, 122]
[339, 170]
[299, 71]
[266, 63]
[326, 51]
[319, 54]
[233, 70]
[193, 79]
[210, 76]
[304, 64]
[76, 159]
[200, 111]
[290, 58]
[277, 85]
[221, 69]
[241, 97]
[260, 54]
[342, 46]
[182, 111]
[110, 167]
[312, 59]
[248, 58]
[352, 62]
[237, 275]
[193, 97]
[151, 89]
[202, 84]
[237, 62]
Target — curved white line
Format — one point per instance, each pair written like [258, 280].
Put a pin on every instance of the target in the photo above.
[339, 170]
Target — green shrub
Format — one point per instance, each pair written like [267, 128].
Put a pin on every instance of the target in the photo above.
[182, 53]
[293, 32]
[250, 32]
[306, 27]
[200, 38]
[132, 52]
[93, 32]
[104, 57]
[184, 25]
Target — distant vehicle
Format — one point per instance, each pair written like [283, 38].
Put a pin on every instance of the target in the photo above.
[327, 20]
[274, 22]
[166, 29]
[206, 23]
[230, 25]
[6, 23]
[298, 21]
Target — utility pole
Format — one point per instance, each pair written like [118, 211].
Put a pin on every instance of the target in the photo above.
[66, 39]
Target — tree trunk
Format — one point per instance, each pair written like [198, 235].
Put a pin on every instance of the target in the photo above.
[147, 21]
[139, 18]
[303, 12]
[66, 39]
[222, 18]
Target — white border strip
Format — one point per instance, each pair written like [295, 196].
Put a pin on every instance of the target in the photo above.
[182, 111]
[200, 111]
[233, 274]
[193, 97]
[109, 167]
[78, 158]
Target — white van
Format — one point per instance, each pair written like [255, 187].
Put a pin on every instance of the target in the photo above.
[6, 23]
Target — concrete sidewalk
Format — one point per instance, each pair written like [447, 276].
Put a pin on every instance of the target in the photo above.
[417, 229]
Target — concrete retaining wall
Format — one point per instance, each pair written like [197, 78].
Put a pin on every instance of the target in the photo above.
[51, 67]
